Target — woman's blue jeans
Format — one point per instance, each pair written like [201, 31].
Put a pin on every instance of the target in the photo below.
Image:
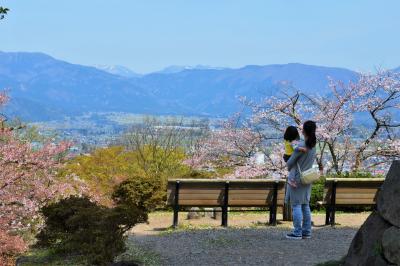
[301, 219]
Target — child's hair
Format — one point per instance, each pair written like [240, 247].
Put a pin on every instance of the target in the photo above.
[291, 134]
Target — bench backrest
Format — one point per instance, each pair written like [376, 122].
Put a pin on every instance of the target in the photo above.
[211, 193]
[352, 191]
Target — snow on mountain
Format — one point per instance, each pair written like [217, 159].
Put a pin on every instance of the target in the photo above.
[119, 71]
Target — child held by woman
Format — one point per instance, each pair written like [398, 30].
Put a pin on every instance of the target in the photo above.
[291, 138]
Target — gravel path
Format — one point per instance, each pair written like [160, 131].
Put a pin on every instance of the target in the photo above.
[263, 246]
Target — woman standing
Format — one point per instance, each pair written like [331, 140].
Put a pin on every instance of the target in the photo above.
[298, 194]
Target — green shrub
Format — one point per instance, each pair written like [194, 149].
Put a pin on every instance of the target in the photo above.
[78, 226]
[317, 194]
[141, 192]
[196, 174]
[354, 175]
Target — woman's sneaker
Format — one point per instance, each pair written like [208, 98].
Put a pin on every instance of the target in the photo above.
[306, 236]
[293, 236]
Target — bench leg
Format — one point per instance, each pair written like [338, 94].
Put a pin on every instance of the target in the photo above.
[273, 208]
[332, 209]
[225, 206]
[287, 209]
[272, 215]
[224, 217]
[327, 215]
[332, 219]
[175, 219]
[176, 204]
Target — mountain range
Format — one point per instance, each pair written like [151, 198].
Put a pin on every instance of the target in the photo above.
[44, 88]
[119, 71]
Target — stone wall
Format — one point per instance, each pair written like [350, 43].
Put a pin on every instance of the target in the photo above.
[377, 242]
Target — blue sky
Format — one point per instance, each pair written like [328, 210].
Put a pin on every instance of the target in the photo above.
[149, 35]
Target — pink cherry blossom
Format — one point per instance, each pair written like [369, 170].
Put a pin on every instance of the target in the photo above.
[28, 180]
[342, 143]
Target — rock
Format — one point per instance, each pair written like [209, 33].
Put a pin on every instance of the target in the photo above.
[391, 245]
[389, 196]
[194, 213]
[209, 212]
[366, 247]
[377, 261]
[21, 261]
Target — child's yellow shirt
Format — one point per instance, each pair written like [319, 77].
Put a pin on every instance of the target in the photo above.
[288, 148]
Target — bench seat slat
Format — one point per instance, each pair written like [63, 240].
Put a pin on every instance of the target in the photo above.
[200, 196]
[355, 196]
[351, 202]
[249, 191]
[232, 196]
[231, 191]
[251, 196]
[252, 203]
[203, 202]
[359, 180]
[355, 190]
[232, 203]
[199, 186]
[197, 191]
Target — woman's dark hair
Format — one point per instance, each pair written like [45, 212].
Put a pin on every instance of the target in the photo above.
[309, 128]
[291, 134]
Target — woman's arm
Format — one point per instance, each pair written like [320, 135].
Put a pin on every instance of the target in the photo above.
[293, 159]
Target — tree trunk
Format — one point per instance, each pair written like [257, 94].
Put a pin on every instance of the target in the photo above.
[334, 158]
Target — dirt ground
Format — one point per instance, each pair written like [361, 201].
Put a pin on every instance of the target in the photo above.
[248, 240]
[161, 221]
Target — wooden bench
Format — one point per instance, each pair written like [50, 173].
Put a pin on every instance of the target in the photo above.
[339, 192]
[264, 193]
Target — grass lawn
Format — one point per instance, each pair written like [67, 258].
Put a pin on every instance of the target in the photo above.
[40, 257]
[36, 257]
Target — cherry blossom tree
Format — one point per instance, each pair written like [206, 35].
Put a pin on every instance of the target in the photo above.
[376, 95]
[334, 116]
[341, 145]
[236, 145]
[28, 180]
[227, 146]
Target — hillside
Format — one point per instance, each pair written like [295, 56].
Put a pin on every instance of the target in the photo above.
[215, 92]
[44, 88]
[62, 88]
